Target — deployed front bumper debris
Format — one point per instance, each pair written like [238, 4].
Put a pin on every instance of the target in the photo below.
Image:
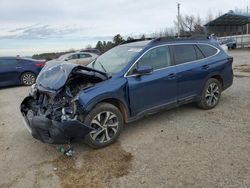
[51, 131]
[52, 112]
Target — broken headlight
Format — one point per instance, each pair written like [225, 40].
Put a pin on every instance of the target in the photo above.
[33, 90]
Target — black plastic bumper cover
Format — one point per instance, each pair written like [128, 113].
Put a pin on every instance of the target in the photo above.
[52, 132]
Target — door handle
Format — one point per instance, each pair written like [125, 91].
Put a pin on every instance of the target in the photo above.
[171, 76]
[18, 67]
[205, 67]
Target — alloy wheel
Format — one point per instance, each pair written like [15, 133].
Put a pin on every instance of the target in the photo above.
[28, 79]
[105, 125]
[212, 94]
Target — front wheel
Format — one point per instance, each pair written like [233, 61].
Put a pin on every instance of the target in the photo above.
[107, 123]
[210, 94]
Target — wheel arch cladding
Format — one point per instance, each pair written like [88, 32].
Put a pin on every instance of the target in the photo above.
[214, 75]
[219, 78]
[121, 105]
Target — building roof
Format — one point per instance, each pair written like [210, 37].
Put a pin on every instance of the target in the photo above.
[230, 18]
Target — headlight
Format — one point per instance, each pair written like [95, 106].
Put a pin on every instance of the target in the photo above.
[33, 90]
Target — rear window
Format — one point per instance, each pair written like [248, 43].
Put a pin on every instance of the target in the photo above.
[85, 56]
[6, 62]
[207, 50]
[184, 53]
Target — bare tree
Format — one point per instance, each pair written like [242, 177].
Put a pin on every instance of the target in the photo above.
[188, 23]
[198, 26]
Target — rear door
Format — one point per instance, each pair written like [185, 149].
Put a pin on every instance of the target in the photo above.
[74, 58]
[192, 68]
[85, 58]
[10, 71]
[158, 89]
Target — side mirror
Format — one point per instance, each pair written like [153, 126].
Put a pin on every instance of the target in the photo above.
[143, 70]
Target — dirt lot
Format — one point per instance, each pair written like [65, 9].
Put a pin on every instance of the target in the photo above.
[184, 147]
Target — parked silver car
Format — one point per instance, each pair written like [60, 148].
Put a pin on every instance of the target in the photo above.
[82, 58]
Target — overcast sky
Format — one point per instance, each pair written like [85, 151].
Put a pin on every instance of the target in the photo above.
[35, 26]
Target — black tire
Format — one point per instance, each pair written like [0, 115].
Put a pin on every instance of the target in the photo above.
[28, 78]
[210, 100]
[102, 113]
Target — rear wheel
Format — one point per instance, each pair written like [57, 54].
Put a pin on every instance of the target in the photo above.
[210, 94]
[28, 78]
[107, 123]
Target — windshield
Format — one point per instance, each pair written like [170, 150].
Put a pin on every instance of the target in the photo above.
[115, 59]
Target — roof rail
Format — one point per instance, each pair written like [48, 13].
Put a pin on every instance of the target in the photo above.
[199, 37]
[136, 40]
[193, 37]
[164, 39]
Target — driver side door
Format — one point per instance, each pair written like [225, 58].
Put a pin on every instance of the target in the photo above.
[156, 90]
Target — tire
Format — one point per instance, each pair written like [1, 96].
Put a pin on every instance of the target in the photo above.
[28, 78]
[104, 133]
[211, 94]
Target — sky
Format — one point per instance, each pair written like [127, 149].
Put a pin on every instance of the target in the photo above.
[29, 27]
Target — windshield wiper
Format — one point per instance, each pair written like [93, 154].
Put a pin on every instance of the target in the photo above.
[105, 71]
[102, 67]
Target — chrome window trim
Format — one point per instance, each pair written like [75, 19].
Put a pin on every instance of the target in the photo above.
[218, 51]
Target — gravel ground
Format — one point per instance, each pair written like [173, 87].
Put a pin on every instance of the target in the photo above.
[183, 147]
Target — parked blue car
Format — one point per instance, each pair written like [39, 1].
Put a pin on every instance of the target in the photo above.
[17, 70]
[132, 80]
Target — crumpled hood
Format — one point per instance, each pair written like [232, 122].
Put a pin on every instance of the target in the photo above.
[56, 73]
[54, 76]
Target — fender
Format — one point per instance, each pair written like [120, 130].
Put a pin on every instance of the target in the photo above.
[118, 91]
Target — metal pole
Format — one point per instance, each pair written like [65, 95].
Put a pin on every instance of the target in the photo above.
[178, 8]
[247, 24]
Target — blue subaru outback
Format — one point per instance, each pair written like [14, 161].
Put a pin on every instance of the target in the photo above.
[71, 102]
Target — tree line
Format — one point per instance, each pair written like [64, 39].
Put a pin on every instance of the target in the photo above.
[189, 25]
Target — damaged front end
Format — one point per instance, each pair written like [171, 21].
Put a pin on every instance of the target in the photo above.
[52, 112]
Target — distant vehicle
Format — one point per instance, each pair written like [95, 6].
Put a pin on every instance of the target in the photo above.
[229, 42]
[92, 50]
[82, 58]
[19, 70]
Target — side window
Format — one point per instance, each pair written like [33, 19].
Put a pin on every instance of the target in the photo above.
[207, 50]
[184, 53]
[2, 63]
[199, 53]
[6, 62]
[157, 58]
[85, 56]
[75, 56]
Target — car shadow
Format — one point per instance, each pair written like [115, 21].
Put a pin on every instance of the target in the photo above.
[161, 116]
[12, 86]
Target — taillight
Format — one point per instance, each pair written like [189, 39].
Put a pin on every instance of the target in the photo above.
[40, 64]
